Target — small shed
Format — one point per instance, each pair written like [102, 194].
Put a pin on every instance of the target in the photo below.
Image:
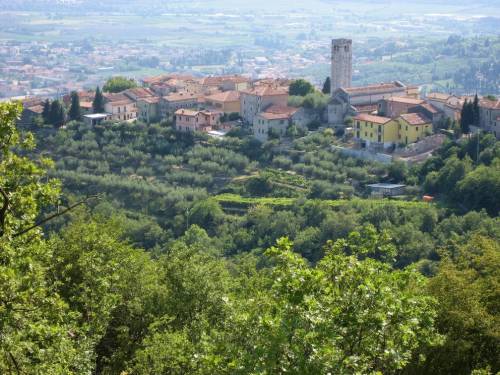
[387, 190]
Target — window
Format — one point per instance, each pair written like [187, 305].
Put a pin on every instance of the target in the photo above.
[417, 128]
[366, 134]
[380, 128]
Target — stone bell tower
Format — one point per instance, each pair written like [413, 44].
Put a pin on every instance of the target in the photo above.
[341, 75]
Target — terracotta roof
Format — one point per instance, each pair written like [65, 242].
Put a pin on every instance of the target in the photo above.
[139, 92]
[186, 112]
[150, 99]
[415, 119]
[265, 91]
[277, 109]
[438, 96]
[180, 96]
[372, 118]
[378, 88]
[406, 100]
[36, 109]
[366, 108]
[86, 104]
[112, 97]
[489, 104]
[274, 116]
[192, 113]
[226, 96]
[429, 107]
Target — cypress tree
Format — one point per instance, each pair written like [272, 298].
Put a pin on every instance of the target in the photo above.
[74, 109]
[465, 117]
[98, 103]
[46, 111]
[56, 113]
[326, 86]
[475, 110]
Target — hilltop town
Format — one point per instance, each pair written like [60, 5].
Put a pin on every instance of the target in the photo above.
[390, 118]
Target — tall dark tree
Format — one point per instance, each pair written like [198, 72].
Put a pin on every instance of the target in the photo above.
[326, 86]
[98, 103]
[56, 116]
[466, 117]
[74, 109]
[46, 111]
[475, 110]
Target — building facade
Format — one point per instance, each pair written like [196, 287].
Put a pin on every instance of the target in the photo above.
[259, 98]
[171, 103]
[353, 100]
[187, 120]
[341, 69]
[413, 127]
[148, 109]
[489, 116]
[227, 102]
[120, 107]
[375, 131]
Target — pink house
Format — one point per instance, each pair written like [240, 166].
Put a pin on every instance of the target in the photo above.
[187, 120]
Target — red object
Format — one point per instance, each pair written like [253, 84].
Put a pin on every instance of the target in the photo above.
[427, 198]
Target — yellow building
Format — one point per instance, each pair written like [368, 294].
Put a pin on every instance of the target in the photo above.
[376, 131]
[227, 102]
[413, 127]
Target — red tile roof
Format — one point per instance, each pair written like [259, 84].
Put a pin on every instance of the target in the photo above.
[372, 118]
[430, 108]
[226, 96]
[438, 96]
[276, 112]
[489, 104]
[139, 92]
[265, 91]
[415, 119]
[181, 96]
[405, 100]
[368, 108]
[379, 88]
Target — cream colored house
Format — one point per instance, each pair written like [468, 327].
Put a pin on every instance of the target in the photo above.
[120, 107]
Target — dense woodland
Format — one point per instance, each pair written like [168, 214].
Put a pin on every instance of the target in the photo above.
[132, 249]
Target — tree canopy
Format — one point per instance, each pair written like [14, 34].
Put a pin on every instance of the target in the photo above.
[118, 84]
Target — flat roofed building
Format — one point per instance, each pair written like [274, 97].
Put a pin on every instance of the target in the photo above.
[96, 118]
[387, 190]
